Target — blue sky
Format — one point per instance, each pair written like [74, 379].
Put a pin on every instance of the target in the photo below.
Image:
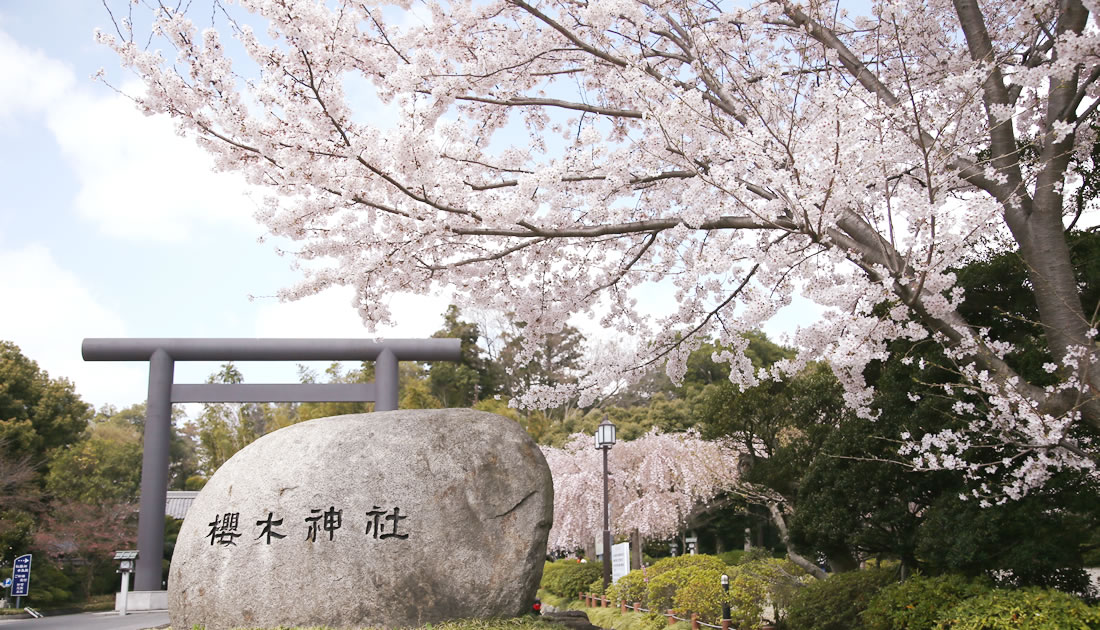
[113, 226]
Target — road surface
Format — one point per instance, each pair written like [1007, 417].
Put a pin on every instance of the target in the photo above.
[90, 621]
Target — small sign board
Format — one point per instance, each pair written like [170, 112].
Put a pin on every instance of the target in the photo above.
[6, 583]
[21, 576]
[620, 560]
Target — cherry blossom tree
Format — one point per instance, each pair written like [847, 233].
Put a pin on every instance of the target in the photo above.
[656, 483]
[554, 157]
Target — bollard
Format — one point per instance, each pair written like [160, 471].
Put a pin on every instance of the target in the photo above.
[694, 621]
[622, 605]
[603, 601]
[671, 618]
[637, 606]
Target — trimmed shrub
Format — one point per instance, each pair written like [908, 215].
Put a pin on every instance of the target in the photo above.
[779, 579]
[596, 587]
[566, 578]
[676, 562]
[836, 603]
[697, 587]
[701, 592]
[1024, 609]
[917, 603]
[631, 587]
[663, 587]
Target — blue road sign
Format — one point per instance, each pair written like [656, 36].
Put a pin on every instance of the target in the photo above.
[6, 583]
[21, 576]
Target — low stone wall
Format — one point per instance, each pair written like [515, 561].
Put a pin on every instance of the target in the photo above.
[143, 600]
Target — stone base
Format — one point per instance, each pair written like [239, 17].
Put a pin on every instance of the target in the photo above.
[143, 600]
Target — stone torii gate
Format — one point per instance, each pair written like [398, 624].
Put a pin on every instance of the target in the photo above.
[163, 391]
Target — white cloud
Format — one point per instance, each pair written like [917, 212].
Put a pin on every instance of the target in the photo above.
[418, 316]
[33, 81]
[47, 313]
[138, 178]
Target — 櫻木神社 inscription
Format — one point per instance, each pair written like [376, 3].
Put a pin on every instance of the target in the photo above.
[378, 523]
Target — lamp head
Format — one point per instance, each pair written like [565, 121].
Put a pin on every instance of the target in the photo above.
[605, 434]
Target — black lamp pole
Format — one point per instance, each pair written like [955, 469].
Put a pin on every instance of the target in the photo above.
[605, 439]
[606, 526]
[725, 602]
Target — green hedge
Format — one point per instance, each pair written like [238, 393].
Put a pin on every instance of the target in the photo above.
[692, 584]
[677, 562]
[1024, 609]
[700, 593]
[836, 603]
[919, 602]
[632, 587]
[566, 578]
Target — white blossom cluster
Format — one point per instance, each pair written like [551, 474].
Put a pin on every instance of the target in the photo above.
[552, 158]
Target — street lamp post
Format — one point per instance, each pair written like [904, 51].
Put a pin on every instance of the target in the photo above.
[725, 602]
[605, 439]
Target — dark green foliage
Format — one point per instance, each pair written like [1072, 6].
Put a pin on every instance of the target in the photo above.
[1040, 546]
[836, 603]
[50, 586]
[1024, 609]
[171, 534]
[917, 603]
[781, 425]
[732, 557]
[567, 578]
[37, 413]
[854, 500]
[999, 296]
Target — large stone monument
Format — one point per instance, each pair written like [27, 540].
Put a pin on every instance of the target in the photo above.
[393, 519]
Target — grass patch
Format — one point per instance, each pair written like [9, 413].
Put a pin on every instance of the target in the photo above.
[613, 618]
[549, 599]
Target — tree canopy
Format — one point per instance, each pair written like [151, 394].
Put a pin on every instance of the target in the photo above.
[37, 413]
[550, 158]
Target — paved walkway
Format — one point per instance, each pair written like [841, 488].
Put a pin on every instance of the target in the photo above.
[91, 621]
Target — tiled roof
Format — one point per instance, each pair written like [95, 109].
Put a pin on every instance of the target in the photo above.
[178, 502]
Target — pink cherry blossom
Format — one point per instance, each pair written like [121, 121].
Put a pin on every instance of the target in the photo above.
[550, 158]
[655, 483]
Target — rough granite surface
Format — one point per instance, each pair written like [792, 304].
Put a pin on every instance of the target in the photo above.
[418, 516]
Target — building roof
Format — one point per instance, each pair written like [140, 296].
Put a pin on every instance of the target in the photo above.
[178, 502]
